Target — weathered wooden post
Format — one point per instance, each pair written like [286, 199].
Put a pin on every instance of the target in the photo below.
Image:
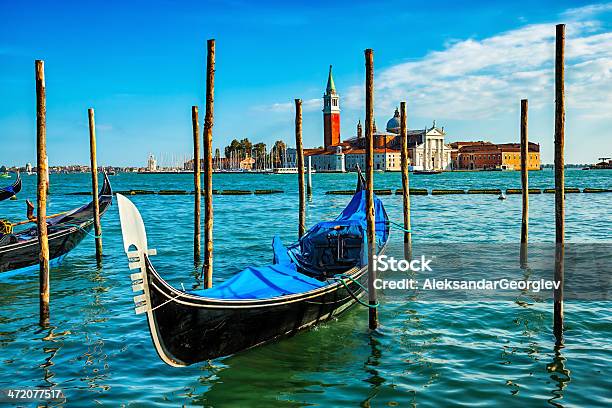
[208, 126]
[41, 167]
[524, 183]
[300, 166]
[309, 185]
[94, 185]
[197, 188]
[371, 233]
[405, 183]
[559, 179]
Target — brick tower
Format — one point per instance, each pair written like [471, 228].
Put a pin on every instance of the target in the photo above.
[331, 113]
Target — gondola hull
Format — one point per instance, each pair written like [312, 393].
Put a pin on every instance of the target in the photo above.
[23, 254]
[188, 329]
[20, 250]
[10, 191]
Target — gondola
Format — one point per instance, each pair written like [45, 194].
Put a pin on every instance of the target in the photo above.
[20, 249]
[309, 282]
[427, 172]
[10, 191]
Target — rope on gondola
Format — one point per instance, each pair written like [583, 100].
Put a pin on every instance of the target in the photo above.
[6, 227]
[341, 279]
[395, 225]
[84, 230]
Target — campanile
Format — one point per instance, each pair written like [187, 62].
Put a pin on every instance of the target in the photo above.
[331, 113]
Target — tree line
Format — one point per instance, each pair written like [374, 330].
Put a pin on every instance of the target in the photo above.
[241, 149]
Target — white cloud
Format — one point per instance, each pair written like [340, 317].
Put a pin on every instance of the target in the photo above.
[308, 105]
[581, 13]
[474, 79]
[481, 78]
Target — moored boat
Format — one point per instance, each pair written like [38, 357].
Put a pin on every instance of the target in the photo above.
[311, 281]
[427, 171]
[12, 190]
[20, 249]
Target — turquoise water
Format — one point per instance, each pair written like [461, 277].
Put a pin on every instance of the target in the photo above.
[427, 353]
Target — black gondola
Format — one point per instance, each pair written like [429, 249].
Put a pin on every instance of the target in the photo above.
[10, 191]
[20, 249]
[311, 281]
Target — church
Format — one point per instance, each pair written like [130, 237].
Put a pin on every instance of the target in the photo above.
[426, 147]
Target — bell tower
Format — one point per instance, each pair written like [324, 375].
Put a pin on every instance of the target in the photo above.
[331, 113]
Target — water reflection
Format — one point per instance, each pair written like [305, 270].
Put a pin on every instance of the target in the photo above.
[560, 375]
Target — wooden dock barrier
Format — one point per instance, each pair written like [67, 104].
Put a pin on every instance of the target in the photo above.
[567, 190]
[559, 180]
[442, 192]
[520, 191]
[174, 192]
[413, 191]
[405, 183]
[197, 188]
[597, 190]
[371, 233]
[261, 192]
[207, 271]
[94, 184]
[485, 191]
[42, 182]
[300, 168]
[340, 192]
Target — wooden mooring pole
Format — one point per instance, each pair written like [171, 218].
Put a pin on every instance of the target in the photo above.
[405, 183]
[524, 183]
[371, 233]
[208, 127]
[94, 184]
[309, 184]
[42, 182]
[197, 188]
[559, 179]
[300, 166]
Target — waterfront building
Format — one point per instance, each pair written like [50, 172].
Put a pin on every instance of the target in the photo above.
[489, 156]
[426, 147]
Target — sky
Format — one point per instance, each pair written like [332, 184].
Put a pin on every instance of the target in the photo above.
[141, 66]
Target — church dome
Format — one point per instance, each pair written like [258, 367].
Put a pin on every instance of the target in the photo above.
[393, 125]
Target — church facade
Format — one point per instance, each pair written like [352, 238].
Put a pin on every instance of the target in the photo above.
[426, 147]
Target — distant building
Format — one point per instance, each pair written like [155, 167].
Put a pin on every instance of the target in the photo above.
[151, 163]
[247, 164]
[426, 147]
[489, 156]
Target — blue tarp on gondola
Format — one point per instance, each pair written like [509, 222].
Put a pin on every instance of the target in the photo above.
[263, 282]
[283, 278]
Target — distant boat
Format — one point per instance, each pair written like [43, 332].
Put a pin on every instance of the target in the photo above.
[285, 170]
[5, 175]
[427, 172]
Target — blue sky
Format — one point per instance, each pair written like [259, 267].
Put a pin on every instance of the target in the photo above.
[141, 66]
